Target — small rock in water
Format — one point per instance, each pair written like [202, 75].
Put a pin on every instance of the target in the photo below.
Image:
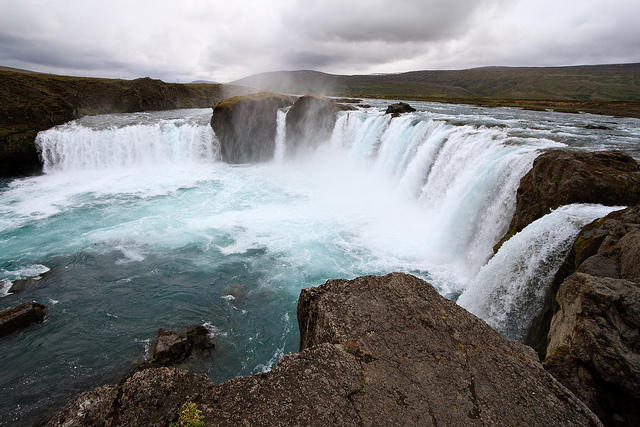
[401, 107]
[20, 285]
[21, 316]
[172, 348]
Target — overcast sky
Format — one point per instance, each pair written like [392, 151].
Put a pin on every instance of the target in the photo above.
[186, 40]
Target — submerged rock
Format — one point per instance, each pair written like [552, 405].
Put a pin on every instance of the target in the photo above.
[561, 177]
[374, 351]
[21, 316]
[400, 108]
[29, 283]
[593, 342]
[246, 126]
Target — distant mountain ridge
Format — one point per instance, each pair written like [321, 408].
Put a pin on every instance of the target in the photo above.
[607, 83]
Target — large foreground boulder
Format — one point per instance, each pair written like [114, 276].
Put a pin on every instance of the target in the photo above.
[374, 351]
[561, 177]
[594, 339]
[246, 126]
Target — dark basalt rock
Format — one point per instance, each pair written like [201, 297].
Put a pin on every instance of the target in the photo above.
[246, 126]
[374, 351]
[20, 285]
[593, 342]
[172, 348]
[400, 108]
[310, 121]
[21, 316]
[561, 177]
[597, 127]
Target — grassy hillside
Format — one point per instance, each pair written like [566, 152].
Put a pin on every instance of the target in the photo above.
[605, 89]
[32, 102]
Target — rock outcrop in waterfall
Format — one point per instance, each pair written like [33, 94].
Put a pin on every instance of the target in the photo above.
[310, 122]
[373, 351]
[246, 126]
[561, 177]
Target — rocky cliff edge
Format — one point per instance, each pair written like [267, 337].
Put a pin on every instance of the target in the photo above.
[374, 351]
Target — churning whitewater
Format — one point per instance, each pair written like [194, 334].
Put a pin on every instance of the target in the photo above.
[136, 225]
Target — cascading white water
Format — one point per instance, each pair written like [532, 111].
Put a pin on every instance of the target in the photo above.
[508, 292]
[281, 130]
[464, 177]
[76, 146]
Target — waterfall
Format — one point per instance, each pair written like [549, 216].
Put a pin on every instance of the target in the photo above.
[77, 146]
[465, 177]
[143, 227]
[281, 130]
[508, 292]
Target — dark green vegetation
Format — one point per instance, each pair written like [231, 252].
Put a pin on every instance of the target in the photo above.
[32, 102]
[601, 89]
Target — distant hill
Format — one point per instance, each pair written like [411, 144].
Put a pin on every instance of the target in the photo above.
[578, 83]
[17, 70]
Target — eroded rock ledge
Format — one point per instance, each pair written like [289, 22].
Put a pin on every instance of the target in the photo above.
[594, 340]
[374, 351]
[561, 177]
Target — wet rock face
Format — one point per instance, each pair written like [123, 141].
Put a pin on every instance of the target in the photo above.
[20, 317]
[246, 126]
[374, 351]
[310, 121]
[561, 177]
[594, 346]
[593, 342]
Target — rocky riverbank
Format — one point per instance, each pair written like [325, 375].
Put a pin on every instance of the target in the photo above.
[593, 342]
[373, 351]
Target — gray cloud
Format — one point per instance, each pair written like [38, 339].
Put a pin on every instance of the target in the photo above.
[200, 39]
[366, 20]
